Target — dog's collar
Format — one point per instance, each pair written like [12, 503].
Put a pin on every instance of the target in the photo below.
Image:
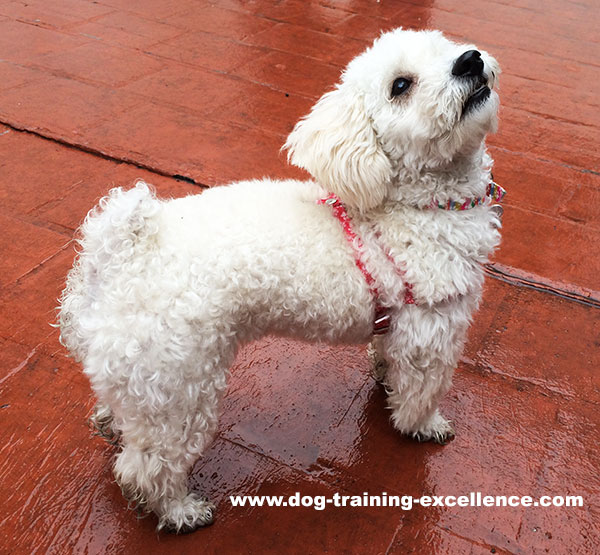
[494, 193]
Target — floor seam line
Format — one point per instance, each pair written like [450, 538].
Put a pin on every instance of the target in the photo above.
[511, 276]
[103, 155]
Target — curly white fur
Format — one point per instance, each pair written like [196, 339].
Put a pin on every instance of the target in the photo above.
[164, 291]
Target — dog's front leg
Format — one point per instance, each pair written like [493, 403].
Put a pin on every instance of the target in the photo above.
[379, 365]
[415, 382]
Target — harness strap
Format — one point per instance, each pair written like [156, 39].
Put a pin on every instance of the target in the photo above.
[382, 318]
[408, 293]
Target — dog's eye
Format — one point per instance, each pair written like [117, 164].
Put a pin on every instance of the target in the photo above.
[400, 86]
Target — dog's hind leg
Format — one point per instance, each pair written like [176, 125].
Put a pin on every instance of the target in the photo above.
[168, 416]
[153, 466]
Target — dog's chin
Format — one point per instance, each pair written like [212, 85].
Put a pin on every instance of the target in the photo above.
[479, 112]
[476, 100]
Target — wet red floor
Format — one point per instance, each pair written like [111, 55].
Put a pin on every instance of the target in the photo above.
[209, 90]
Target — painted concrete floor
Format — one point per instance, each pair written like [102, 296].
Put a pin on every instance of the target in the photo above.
[95, 94]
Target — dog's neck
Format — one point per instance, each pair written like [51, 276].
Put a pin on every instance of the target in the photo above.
[466, 176]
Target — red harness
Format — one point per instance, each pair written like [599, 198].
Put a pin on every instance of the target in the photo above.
[382, 318]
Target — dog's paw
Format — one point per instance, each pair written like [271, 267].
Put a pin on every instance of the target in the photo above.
[379, 365]
[184, 517]
[437, 429]
[102, 423]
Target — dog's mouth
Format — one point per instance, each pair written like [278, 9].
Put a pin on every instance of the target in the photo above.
[477, 97]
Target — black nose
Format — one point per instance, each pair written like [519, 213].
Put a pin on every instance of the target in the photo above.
[468, 64]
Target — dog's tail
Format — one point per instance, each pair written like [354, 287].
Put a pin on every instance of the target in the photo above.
[122, 225]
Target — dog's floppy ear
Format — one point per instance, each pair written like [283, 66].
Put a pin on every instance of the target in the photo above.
[337, 144]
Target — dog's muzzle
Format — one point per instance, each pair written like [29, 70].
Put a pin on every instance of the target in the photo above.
[469, 65]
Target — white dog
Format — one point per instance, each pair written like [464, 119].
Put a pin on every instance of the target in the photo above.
[164, 291]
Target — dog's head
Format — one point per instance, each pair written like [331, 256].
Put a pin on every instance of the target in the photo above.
[411, 103]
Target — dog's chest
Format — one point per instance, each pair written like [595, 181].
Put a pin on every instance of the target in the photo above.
[438, 254]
